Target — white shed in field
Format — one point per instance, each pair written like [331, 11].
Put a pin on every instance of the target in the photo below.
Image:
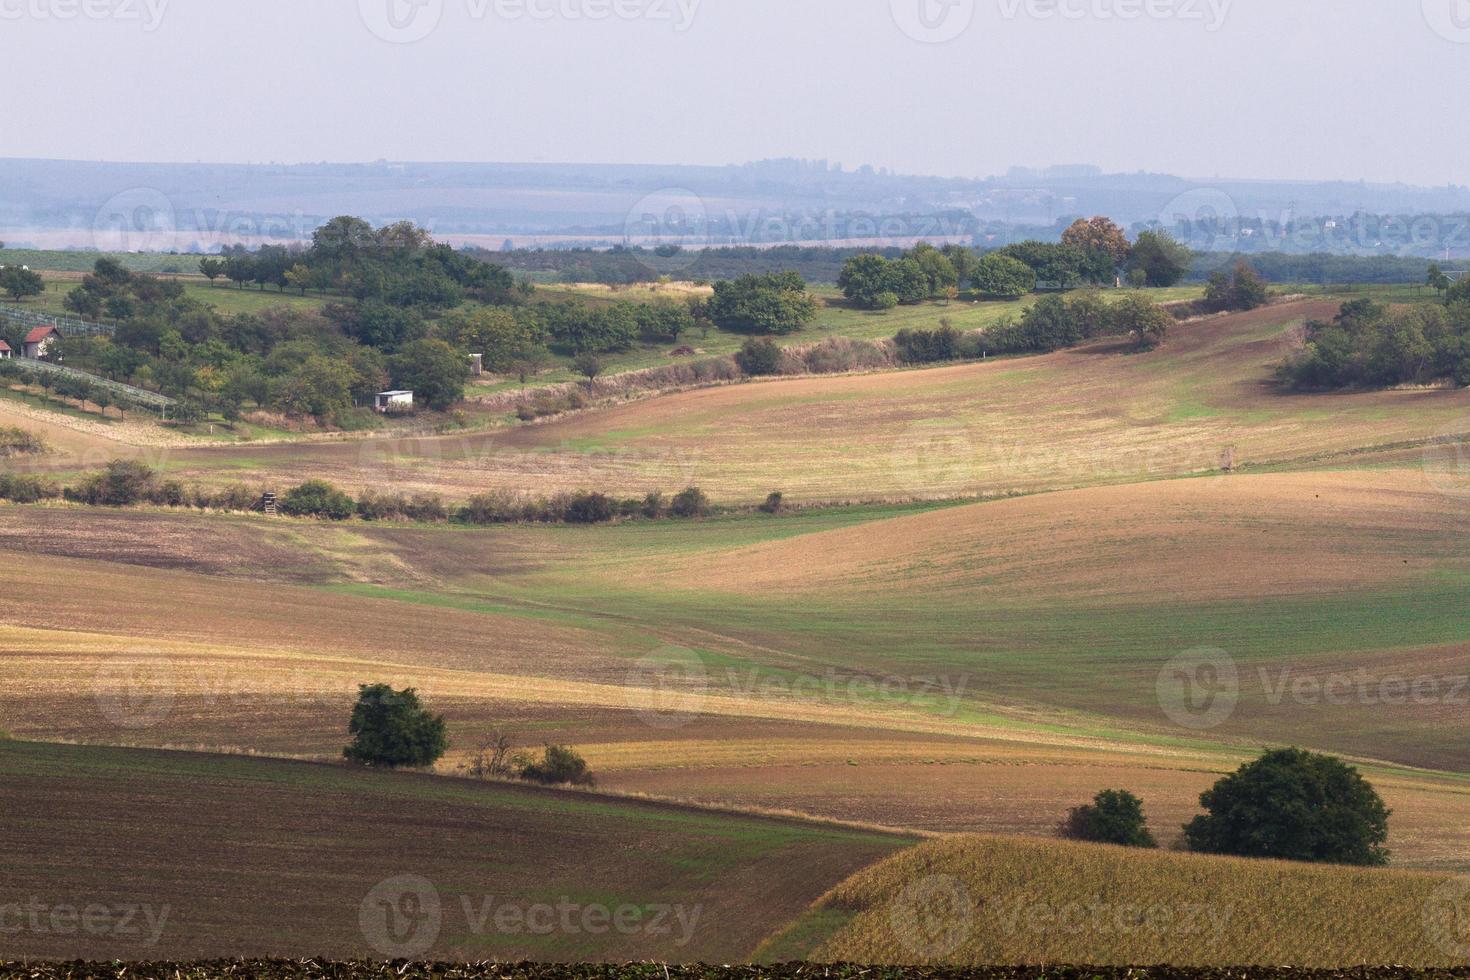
[388, 402]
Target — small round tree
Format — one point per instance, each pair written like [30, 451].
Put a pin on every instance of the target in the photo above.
[1115, 816]
[1003, 277]
[390, 729]
[1296, 806]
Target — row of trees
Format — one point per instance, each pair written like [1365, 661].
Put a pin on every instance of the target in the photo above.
[1372, 345]
[389, 329]
[1289, 805]
[1092, 251]
[872, 282]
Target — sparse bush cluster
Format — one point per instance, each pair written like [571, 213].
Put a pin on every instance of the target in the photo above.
[420, 508]
[20, 442]
[124, 483]
[25, 488]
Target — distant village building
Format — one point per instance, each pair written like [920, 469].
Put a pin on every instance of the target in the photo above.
[38, 342]
[389, 402]
[5, 352]
[477, 364]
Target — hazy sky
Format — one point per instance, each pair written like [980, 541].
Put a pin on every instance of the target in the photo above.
[1248, 88]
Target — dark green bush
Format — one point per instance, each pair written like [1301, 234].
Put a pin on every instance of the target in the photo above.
[1113, 817]
[759, 357]
[560, 766]
[690, 503]
[590, 508]
[317, 498]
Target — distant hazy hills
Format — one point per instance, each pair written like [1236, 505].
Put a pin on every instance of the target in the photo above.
[133, 207]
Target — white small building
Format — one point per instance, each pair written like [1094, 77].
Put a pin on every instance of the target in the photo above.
[38, 342]
[5, 352]
[391, 402]
[477, 365]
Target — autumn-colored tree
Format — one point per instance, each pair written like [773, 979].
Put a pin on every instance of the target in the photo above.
[1099, 234]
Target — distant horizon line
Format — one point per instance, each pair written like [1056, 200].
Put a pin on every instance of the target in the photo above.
[1040, 169]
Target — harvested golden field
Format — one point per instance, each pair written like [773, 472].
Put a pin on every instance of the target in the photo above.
[1088, 416]
[980, 900]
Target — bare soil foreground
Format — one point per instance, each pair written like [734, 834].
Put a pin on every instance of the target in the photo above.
[115, 853]
[328, 970]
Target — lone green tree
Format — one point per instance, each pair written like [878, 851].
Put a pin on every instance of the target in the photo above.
[1293, 805]
[1161, 260]
[1002, 277]
[391, 729]
[19, 283]
[1437, 280]
[1115, 816]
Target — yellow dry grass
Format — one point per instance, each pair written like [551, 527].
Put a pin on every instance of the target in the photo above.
[985, 900]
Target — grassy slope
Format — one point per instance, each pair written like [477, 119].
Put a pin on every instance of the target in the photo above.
[1076, 418]
[255, 857]
[977, 901]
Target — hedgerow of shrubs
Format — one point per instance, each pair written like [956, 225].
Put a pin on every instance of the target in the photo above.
[126, 483]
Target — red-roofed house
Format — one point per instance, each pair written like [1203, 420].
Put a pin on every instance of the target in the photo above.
[39, 341]
[5, 352]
